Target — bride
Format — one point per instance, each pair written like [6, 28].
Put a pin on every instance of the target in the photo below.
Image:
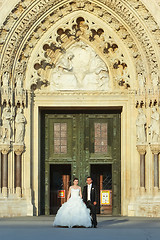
[73, 212]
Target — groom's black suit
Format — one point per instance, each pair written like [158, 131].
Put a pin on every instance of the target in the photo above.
[89, 204]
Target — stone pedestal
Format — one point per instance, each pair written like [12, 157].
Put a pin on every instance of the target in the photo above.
[142, 151]
[155, 148]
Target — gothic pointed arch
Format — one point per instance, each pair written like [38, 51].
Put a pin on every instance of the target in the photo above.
[29, 21]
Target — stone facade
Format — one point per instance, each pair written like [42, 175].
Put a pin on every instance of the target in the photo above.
[40, 41]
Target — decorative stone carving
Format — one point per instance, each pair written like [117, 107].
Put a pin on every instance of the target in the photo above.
[55, 10]
[18, 148]
[141, 127]
[141, 148]
[80, 68]
[20, 121]
[4, 148]
[154, 127]
[155, 148]
[147, 97]
[6, 127]
[80, 29]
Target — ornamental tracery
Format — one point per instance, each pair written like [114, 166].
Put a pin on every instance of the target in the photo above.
[80, 30]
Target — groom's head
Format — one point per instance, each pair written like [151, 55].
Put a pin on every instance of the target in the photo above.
[89, 180]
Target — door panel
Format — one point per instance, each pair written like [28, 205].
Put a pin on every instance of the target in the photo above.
[102, 178]
[60, 175]
[82, 138]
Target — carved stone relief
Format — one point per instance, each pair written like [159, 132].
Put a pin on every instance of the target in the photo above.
[80, 68]
[30, 15]
[78, 30]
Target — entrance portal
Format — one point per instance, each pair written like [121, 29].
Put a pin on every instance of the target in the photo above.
[60, 176]
[77, 143]
[102, 178]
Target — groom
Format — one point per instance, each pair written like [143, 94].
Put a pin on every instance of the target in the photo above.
[90, 199]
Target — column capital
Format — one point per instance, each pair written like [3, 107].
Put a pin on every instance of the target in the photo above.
[141, 148]
[18, 148]
[155, 148]
[4, 148]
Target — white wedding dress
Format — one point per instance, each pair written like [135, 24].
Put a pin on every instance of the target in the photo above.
[73, 212]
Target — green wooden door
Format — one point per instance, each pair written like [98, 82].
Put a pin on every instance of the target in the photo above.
[81, 139]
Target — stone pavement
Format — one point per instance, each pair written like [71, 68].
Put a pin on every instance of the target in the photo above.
[109, 228]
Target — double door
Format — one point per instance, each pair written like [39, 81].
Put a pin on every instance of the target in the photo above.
[82, 142]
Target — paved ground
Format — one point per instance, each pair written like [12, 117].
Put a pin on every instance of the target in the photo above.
[109, 228]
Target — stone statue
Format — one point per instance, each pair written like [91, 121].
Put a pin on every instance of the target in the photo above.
[5, 79]
[20, 121]
[5, 88]
[141, 126]
[155, 79]
[80, 68]
[19, 84]
[154, 127]
[6, 127]
[141, 80]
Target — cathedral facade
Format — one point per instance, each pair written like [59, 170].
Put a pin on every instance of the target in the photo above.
[79, 96]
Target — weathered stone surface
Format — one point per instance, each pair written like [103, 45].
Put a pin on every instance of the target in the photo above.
[121, 40]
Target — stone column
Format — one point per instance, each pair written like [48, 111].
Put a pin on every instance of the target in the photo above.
[18, 150]
[4, 148]
[142, 151]
[155, 148]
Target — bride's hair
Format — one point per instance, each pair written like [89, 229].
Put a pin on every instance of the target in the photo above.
[75, 179]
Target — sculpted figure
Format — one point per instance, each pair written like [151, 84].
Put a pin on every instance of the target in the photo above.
[80, 68]
[141, 80]
[19, 84]
[20, 121]
[6, 127]
[141, 126]
[63, 72]
[5, 79]
[155, 80]
[154, 127]
[65, 65]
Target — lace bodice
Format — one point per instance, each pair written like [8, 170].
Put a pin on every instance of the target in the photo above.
[75, 193]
